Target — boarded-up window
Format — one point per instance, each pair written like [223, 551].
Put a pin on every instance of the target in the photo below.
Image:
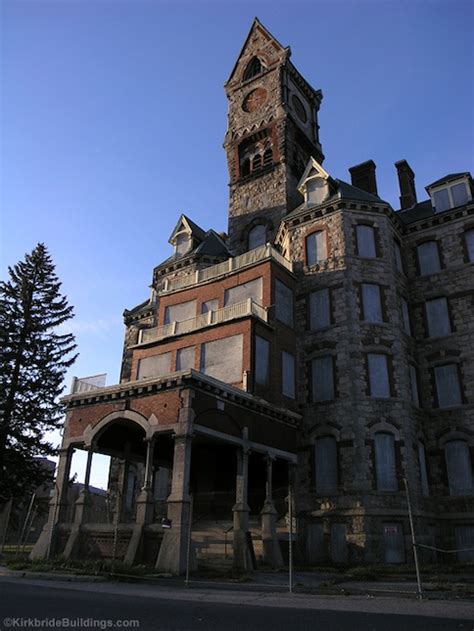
[185, 358]
[459, 194]
[262, 356]
[405, 317]
[425, 489]
[414, 385]
[210, 305]
[469, 235]
[257, 237]
[339, 543]
[366, 241]
[283, 303]
[252, 289]
[154, 366]
[385, 467]
[319, 309]
[394, 544]
[459, 467]
[222, 359]
[326, 465]
[315, 546]
[182, 243]
[316, 247]
[288, 374]
[178, 313]
[371, 303]
[448, 387]
[398, 256]
[428, 258]
[437, 317]
[323, 378]
[378, 376]
[161, 484]
[464, 536]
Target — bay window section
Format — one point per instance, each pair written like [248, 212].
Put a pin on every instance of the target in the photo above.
[319, 309]
[316, 248]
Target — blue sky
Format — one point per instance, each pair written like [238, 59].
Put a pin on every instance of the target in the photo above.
[113, 118]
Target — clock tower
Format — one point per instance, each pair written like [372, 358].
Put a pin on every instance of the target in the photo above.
[272, 132]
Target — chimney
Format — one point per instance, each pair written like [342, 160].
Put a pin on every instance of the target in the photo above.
[406, 179]
[363, 176]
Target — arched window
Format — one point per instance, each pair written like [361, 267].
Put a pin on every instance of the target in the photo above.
[257, 236]
[268, 159]
[253, 69]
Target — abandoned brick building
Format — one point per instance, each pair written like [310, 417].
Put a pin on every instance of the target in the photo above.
[326, 341]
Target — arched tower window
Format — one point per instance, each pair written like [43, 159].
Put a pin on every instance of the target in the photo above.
[257, 236]
[255, 154]
[253, 69]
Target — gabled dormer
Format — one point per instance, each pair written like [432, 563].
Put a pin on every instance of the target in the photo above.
[186, 236]
[316, 185]
[451, 191]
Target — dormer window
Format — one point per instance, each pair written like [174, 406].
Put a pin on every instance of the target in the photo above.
[182, 243]
[253, 69]
[317, 191]
[315, 184]
[449, 193]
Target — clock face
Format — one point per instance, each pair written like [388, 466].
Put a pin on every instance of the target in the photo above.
[299, 108]
[254, 100]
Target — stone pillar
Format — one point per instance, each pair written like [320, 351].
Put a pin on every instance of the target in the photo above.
[173, 551]
[242, 556]
[83, 503]
[271, 547]
[145, 507]
[58, 506]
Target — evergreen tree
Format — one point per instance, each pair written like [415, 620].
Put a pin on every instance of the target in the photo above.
[34, 358]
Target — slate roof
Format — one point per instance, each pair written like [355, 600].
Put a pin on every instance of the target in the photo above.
[421, 210]
[448, 178]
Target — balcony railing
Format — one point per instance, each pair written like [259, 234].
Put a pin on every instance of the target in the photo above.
[231, 265]
[232, 312]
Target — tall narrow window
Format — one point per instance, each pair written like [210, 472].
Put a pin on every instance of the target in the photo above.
[283, 303]
[323, 378]
[366, 241]
[397, 250]
[379, 383]
[316, 247]
[448, 387]
[257, 236]
[319, 309]
[325, 457]
[288, 374]
[253, 68]
[385, 467]
[185, 358]
[414, 385]
[459, 194]
[262, 357]
[425, 489]
[437, 317]
[428, 258]
[469, 236]
[405, 316]
[371, 303]
[459, 467]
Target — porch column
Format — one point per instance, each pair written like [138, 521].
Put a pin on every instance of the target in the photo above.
[83, 502]
[242, 556]
[173, 551]
[271, 547]
[145, 507]
[58, 506]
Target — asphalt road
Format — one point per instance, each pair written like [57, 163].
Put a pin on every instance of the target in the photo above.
[89, 606]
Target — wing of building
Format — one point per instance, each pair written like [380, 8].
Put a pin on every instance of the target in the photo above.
[324, 344]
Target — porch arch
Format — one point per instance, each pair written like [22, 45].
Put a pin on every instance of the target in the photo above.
[91, 436]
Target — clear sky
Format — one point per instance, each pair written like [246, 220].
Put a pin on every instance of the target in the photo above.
[113, 118]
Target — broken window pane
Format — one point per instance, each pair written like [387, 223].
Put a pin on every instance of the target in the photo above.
[252, 289]
[283, 303]
[323, 378]
[428, 258]
[447, 385]
[316, 247]
[437, 317]
[222, 359]
[366, 241]
[459, 467]
[371, 303]
[385, 467]
[288, 374]
[319, 309]
[378, 376]
[326, 465]
[154, 366]
[262, 356]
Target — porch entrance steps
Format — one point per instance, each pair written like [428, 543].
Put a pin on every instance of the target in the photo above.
[212, 541]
